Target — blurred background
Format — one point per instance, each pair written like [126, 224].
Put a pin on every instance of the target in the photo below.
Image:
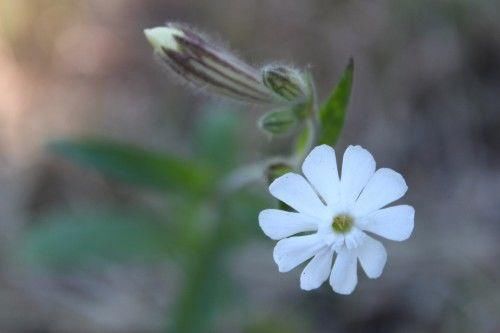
[107, 223]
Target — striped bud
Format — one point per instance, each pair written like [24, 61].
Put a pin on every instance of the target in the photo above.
[283, 120]
[285, 82]
[278, 122]
[200, 62]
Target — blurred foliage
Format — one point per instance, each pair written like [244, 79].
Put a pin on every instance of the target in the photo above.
[207, 285]
[197, 232]
[216, 139]
[67, 239]
[136, 165]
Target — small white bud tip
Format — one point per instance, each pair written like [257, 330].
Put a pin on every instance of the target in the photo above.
[163, 37]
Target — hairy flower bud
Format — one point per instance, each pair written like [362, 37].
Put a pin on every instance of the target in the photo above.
[285, 82]
[202, 63]
[278, 122]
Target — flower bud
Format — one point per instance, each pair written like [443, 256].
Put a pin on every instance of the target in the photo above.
[281, 121]
[277, 169]
[285, 82]
[200, 62]
[278, 122]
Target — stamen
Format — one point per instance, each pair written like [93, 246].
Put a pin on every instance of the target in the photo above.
[342, 223]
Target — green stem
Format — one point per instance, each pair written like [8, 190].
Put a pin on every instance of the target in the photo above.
[205, 278]
[312, 125]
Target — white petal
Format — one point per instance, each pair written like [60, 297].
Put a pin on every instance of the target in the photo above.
[394, 223]
[291, 252]
[358, 166]
[320, 168]
[278, 224]
[296, 192]
[317, 270]
[372, 256]
[384, 187]
[344, 275]
[354, 238]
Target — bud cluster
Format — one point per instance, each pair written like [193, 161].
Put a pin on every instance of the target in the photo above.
[200, 62]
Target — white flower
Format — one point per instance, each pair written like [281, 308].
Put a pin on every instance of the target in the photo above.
[334, 214]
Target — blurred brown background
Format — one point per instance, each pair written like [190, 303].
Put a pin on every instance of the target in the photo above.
[425, 102]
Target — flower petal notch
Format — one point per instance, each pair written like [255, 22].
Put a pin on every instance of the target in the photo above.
[334, 216]
[197, 60]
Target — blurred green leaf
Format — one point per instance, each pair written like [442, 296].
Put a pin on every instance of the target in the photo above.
[190, 223]
[207, 287]
[68, 239]
[136, 165]
[241, 211]
[216, 138]
[332, 113]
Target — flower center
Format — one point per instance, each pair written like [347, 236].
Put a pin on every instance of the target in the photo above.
[342, 223]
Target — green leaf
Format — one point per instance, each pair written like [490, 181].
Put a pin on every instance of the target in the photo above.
[332, 113]
[136, 165]
[62, 240]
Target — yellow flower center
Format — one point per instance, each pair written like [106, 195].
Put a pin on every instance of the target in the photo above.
[342, 223]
